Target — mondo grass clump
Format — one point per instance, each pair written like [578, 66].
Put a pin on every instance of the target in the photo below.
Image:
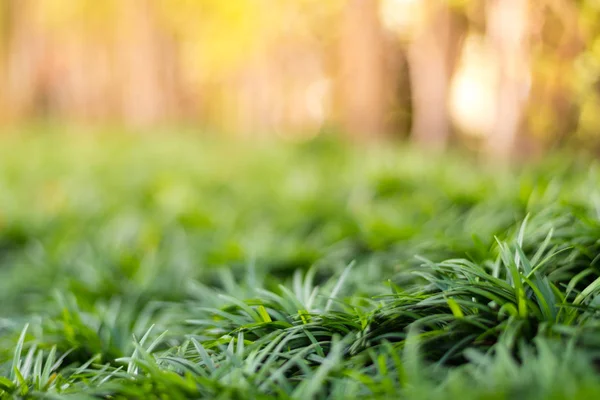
[178, 267]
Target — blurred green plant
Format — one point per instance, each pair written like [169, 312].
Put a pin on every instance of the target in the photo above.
[185, 268]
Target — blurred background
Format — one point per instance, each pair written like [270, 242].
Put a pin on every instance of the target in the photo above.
[503, 77]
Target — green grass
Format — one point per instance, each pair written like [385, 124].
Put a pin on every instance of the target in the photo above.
[174, 267]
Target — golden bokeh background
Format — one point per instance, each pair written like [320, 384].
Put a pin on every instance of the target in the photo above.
[503, 76]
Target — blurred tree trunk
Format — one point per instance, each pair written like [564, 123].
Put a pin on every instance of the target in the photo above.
[143, 100]
[431, 57]
[362, 102]
[557, 91]
[5, 9]
[24, 59]
[507, 27]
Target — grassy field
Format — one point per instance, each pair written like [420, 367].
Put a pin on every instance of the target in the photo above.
[186, 268]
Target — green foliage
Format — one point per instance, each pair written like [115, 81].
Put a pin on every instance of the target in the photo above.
[178, 268]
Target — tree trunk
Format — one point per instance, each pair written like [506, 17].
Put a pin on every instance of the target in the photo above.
[143, 100]
[362, 103]
[430, 58]
[24, 56]
[507, 32]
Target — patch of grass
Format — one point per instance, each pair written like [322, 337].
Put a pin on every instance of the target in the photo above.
[185, 268]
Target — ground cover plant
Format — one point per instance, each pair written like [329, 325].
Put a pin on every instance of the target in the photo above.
[175, 267]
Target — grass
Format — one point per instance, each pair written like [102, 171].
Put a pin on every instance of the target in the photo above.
[183, 268]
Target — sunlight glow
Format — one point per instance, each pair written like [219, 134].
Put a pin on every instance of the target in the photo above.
[473, 89]
[400, 15]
